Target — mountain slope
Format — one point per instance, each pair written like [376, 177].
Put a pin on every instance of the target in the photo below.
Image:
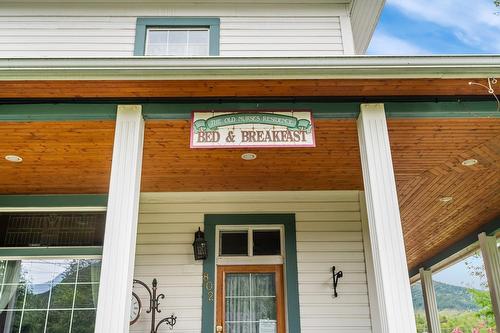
[448, 297]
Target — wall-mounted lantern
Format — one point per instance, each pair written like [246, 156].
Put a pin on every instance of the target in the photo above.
[200, 246]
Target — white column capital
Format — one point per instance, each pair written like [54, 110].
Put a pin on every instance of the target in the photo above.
[430, 302]
[491, 259]
[129, 109]
[370, 107]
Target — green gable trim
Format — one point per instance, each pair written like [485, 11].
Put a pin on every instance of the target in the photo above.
[291, 275]
[50, 251]
[176, 110]
[213, 24]
[55, 201]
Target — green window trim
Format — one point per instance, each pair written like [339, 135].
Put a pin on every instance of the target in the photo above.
[54, 201]
[291, 275]
[70, 251]
[143, 23]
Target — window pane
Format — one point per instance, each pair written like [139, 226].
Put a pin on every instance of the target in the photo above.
[51, 229]
[40, 293]
[177, 42]
[234, 243]
[83, 321]
[33, 321]
[266, 242]
[59, 321]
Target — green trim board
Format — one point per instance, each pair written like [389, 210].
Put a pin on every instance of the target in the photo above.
[291, 274]
[50, 251]
[54, 201]
[143, 23]
[175, 110]
[490, 229]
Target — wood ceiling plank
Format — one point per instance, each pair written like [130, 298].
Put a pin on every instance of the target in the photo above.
[237, 88]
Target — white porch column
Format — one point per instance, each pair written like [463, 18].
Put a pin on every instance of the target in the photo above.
[118, 256]
[491, 259]
[430, 303]
[386, 236]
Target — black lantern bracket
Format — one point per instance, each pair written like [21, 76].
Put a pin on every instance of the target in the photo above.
[336, 277]
[154, 303]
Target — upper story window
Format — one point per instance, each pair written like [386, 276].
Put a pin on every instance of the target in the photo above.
[178, 37]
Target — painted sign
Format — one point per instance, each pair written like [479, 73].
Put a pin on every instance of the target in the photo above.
[252, 129]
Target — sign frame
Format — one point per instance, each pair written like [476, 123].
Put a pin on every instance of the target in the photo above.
[273, 112]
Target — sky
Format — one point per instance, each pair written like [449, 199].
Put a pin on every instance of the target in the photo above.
[420, 27]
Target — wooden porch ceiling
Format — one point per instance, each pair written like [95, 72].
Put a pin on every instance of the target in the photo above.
[75, 157]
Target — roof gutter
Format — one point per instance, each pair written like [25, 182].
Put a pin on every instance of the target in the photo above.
[335, 67]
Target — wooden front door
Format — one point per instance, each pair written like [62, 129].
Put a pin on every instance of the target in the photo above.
[250, 299]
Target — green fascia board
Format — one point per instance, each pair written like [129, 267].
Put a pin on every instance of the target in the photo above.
[55, 201]
[470, 109]
[50, 251]
[491, 228]
[291, 274]
[212, 23]
[176, 110]
[57, 112]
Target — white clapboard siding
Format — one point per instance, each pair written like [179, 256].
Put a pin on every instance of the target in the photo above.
[108, 29]
[328, 233]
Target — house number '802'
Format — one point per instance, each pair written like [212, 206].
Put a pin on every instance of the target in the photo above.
[209, 286]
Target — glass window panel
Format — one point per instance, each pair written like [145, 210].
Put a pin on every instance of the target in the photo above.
[11, 321]
[86, 295]
[237, 284]
[264, 308]
[263, 284]
[238, 309]
[266, 242]
[89, 270]
[58, 321]
[157, 49]
[37, 296]
[62, 296]
[3, 264]
[248, 327]
[83, 321]
[157, 36]
[234, 243]
[177, 49]
[198, 37]
[33, 321]
[198, 49]
[178, 37]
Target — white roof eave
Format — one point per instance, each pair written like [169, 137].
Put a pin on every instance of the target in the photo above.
[166, 68]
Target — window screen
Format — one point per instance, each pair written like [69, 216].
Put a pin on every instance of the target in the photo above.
[51, 229]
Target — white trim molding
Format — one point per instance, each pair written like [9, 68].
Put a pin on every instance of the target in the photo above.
[491, 259]
[118, 256]
[430, 303]
[384, 222]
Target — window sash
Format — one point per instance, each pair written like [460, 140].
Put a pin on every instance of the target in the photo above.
[147, 49]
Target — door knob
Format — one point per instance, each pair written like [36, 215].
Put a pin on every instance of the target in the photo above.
[218, 328]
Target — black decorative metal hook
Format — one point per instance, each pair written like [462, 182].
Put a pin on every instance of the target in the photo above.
[336, 277]
[154, 303]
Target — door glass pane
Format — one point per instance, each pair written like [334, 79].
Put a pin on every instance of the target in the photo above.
[250, 303]
[234, 243]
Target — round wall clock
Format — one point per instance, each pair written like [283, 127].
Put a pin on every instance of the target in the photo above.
[135, 309]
